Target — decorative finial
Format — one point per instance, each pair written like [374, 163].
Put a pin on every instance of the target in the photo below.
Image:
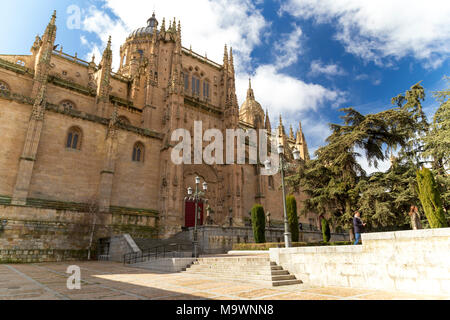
[53, 17]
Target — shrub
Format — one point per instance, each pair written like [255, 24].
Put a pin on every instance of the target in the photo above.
[259, 223]
[291, 210]
[325, 230]
[430, 199]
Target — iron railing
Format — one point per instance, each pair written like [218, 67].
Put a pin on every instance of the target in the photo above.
[163, 251]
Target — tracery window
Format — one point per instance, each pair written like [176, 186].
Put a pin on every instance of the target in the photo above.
[68, 105]
[186, 82]
[195, 86]
[74, 138]
[138, 152]
[4, 86]
[206, 89]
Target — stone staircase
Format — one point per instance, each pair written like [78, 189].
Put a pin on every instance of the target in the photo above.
[256, 269]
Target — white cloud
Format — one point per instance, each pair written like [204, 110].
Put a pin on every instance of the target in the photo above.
[207, 25]
[318, 68]
[281, 93]
[288, 48]
[384, 29]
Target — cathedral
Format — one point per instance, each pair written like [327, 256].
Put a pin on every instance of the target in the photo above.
[75, 133]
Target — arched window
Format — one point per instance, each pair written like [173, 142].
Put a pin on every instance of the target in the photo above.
[4, 86]
[68, 105]
[138, 152]
[20, 63]
[74, 138]
[124, 120]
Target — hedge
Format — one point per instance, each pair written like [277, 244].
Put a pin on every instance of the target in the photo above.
[266, 246]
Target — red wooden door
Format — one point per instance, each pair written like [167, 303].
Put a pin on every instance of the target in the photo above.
[189, 214]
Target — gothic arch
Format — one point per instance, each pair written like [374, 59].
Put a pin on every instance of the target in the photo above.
[74, 138]
[204, 171]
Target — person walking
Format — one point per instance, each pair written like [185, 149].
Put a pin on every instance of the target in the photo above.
[415, 218]
[358, 227]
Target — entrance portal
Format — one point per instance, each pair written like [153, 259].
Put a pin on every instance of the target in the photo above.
[189, 214]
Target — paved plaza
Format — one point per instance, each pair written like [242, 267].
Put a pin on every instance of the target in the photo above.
[114, 281]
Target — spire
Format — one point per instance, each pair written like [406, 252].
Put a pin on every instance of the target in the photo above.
[250, 93]
[163, 25]
[107, 54]
[225, 57]
[231, 60]
[267, 123]
[291, 132]
[53, 20]
[50, 31]
[108, 46]
[281, 131]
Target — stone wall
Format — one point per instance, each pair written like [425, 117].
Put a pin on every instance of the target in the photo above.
[30, 234]
[416, 261]
[215, 239]
[119, 246]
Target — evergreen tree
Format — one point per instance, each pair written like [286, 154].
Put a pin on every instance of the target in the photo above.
[437, 145]
[291, 208]
[335, 182]
[430, 198]
[259, 223]
[326, 234]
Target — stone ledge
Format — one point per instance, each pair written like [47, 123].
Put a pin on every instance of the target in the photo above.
[407, 234]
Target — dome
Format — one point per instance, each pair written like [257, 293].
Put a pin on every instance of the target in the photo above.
[152, 23]
[251, 111]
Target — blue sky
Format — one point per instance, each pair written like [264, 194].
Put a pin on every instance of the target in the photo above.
[307, 58]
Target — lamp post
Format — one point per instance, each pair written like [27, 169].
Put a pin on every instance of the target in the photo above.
[197, 197]
[283, 167]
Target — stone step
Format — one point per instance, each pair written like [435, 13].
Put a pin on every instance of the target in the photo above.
[239, 270]
[247, 269]
[276, 268]
[234, 262]
[283, 277]
[286, 282]
[232, 276]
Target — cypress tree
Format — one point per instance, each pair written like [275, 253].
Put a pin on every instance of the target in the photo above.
[430, 198]
[291, 209]
[325, 230]
[259, 223]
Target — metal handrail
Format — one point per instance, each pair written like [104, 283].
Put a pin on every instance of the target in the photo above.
[161, 251]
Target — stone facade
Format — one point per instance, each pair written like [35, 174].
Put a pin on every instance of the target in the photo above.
[414, 261]
[72, 131]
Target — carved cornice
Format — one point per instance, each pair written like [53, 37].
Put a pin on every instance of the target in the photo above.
[7, 95]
